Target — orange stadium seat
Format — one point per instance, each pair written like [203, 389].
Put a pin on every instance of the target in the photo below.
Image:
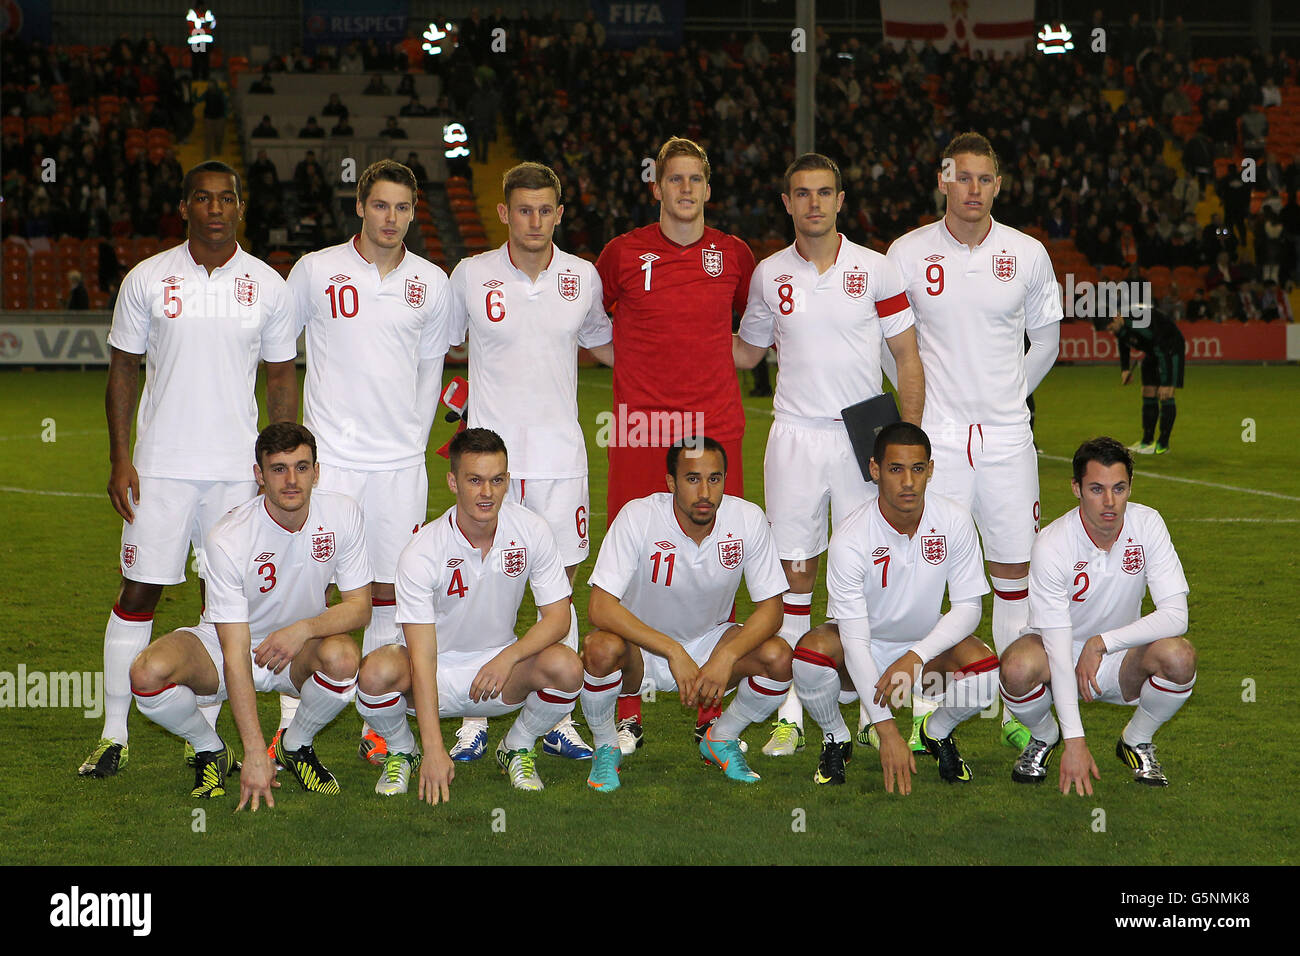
[14, 126]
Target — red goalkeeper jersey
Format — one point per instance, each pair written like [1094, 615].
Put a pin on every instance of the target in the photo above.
[672, 308]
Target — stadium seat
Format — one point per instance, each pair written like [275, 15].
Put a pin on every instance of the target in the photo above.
[14, 126]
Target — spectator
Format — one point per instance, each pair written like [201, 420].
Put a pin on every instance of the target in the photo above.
[263, 86]
[342, 128]
[334, 107]
[351, 61]
[265, 129]
[1198, 308]
[78, 297]
[377, 86]
[415, 166]
[392, 130]
[312, 130]
[214, 120]
[413, 107]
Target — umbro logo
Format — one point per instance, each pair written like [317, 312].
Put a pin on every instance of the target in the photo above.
[933, 258]
[1081, 565]
[340, 278]
[493, 284]
[265, 556]
[879, 552]
[172, 280]
[649, 257]
[453, 562]
[664, 545]
[785, 278]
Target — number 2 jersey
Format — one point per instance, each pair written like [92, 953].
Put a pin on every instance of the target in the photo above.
[680, 588]
[265, 575]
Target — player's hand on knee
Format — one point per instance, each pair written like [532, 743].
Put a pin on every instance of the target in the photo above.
[436, 773]
[894, 686]
[896, 759]
[1085, 671]
[256, 779]
[280, 647]
[124, 490]
[1076, 765]
[686, 673]
[711, 685]
[491, 678]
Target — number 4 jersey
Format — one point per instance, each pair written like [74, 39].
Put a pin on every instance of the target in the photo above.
[678, 587]
[366, 338]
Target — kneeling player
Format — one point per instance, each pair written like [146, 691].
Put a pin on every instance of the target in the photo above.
[1089, 571]
[665, 582]
[266, 626]
[889, 565]
[459, 585]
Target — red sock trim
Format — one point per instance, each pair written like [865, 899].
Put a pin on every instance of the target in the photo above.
[1012, 595]
[601, 688]
[383, 602]
[396, 699]
[629, 705]
[798, 610]
[134, 616]
[982, 666]
[1168, 690]
[759, 688]
[552, 696]
[1042, 689]
[155, 693]
[814, 657]
[331, 686]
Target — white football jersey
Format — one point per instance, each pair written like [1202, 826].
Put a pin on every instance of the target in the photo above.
[262, 574]
[676, 586]
[972, 309]
[827, 327]
[366, 338]
[897, 582]
[444, 580]
[202, 337]
[1075, 584]
[524, 338]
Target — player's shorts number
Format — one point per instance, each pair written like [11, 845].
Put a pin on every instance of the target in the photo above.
[268, 576]
[339, 301]
[934, 276]
[785, 292]
[496, 307]
[580, 520]
[170, 300]
[1037, 512]
[1080, 578]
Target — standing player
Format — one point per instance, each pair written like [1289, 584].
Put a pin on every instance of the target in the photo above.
[528, 307]
[826, 303]
[673, 287]
[977, 288]
[459, 585]
[889, 566]
[266, 626]
[376, 316]
[1091, 569]
[1163, 361]
[663, 591]
[202, 314]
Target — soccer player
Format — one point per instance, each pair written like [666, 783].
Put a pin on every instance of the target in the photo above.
[826, 303]
[889, 565]
[663, 595]
[1163, 362]
[1088, 636]
[202, 314]
[266, 626]
[527, 308]
[673, 287]
[977, 288]
[459, 586]
[377, 317]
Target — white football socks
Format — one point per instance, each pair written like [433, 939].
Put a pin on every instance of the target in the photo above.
[755, 699]
[386, 713]
[175, 708]
[818, 684]
[542, 710]
[124, 638]
[1158, 701]
[322, 699]
[599, 703]
[1034, 710]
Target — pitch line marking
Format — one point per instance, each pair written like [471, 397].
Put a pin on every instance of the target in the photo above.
[56, 494]
[1192, 481]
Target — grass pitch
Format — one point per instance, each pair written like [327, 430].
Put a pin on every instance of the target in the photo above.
[1230, 493]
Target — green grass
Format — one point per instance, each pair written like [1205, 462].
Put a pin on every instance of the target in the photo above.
[1229, 760]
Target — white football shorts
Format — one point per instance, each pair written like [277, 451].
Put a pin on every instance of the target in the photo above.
[173, 515]
[394, 505]
[565, 504]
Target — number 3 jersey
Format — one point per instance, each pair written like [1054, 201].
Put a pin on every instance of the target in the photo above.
[897, 582]
[202, 337]
[265, 575]
[366, 338]
[473, 600]
[678, 587]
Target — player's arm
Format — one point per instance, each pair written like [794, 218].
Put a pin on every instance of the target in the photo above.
[281, 646]
[119, 407]
[282, 391]
[596, 334]
[258, 775]
[1044, 344]
[1043, 316]
[1077, 763]
[909, 376]
[757, 328]
[715, 676]
[896, 760]
[604, 354]
[951, 629]
[436, 770]
[605, 611]
[550, 629]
